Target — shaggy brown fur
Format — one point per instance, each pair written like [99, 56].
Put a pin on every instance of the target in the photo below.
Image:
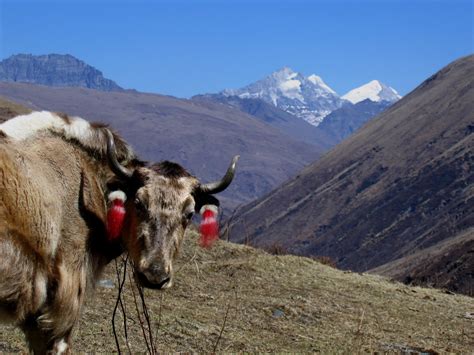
[170, 169]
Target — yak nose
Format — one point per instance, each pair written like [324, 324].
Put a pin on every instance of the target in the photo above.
[163, 283]
[155, 277]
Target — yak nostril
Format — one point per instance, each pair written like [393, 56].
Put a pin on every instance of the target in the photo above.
[163, 282]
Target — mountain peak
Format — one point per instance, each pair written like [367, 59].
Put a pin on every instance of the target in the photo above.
[375, 91]
[54, 70]
[309, 98]
[317, 80]
[284, 70]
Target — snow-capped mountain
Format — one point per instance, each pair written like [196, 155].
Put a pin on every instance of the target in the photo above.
[309, 98]
[374, 91]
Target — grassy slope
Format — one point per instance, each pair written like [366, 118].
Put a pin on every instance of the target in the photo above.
[323, 309]
[9, 109]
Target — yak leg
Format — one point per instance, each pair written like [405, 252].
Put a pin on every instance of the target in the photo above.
[50, 331]
[42, 341]
[22, 285]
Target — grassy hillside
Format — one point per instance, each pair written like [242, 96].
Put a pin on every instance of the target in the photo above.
[277, 303]
[9, 109]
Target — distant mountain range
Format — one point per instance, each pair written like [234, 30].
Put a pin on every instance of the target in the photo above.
[54, 70]
[286, 100]
[273, 143]
[396, 196]
[309, 98]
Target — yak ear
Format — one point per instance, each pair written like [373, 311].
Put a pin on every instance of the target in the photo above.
[91, 200]
[129, 187]
[204, 199]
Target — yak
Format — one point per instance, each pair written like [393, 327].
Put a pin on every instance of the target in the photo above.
[74, 196]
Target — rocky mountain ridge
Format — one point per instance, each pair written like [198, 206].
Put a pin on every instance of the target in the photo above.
[56, 70]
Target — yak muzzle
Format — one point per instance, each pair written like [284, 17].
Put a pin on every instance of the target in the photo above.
[154, 278]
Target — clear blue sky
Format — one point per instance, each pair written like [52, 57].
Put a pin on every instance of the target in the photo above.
[184, 48]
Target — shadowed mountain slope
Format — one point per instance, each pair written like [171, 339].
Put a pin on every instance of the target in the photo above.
[291, 125]
[335, 127]
[346, 120]
[447, 264]
[402, 183]
[201, 137]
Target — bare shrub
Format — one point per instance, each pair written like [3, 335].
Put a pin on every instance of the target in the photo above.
[277, 249]
[325, 260]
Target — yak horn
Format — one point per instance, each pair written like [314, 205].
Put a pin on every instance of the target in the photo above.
[221, 185]
[114, 164]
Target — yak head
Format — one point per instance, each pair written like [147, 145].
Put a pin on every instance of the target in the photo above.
[161, 201]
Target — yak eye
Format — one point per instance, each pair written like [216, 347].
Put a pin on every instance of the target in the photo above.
[188, 210]
[139, 204]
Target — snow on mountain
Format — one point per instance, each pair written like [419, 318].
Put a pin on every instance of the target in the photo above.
[374, 91]
[316, 80]
[309, 98]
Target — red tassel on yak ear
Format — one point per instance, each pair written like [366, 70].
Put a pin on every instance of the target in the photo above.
[209, 227]
[115, 214]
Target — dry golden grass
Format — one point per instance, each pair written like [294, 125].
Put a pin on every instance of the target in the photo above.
[9, 109]
[276, 303]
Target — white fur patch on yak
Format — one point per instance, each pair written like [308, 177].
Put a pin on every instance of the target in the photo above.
[61, 347]
[40, 289]
[72, 128]
[24, 126]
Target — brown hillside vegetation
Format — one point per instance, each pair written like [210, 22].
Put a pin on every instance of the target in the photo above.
[10, 109]
[401, 184]
[276, 303]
